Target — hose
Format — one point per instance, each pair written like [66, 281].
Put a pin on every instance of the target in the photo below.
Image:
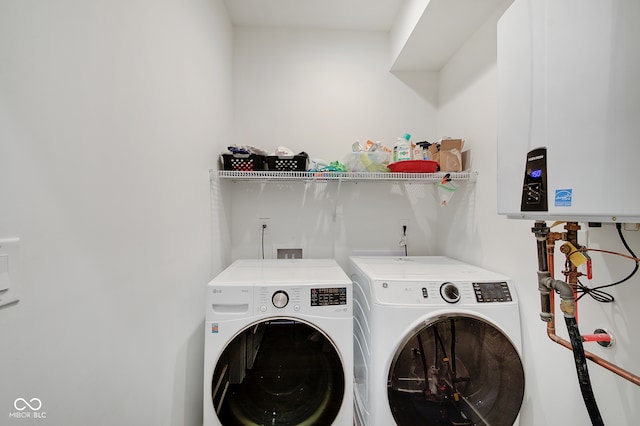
[546, 286]
[583, 373]
[568, 305]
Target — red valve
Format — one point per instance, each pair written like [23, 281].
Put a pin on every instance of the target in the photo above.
[589, 268]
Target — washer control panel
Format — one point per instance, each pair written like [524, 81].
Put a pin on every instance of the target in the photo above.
[288, 300]
[492, 292]
[328, 296]
[277, 300]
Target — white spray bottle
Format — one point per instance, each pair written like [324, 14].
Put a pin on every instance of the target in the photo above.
[402, 150]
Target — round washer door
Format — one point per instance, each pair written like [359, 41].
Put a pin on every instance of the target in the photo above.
[280, 371]
[457, 370]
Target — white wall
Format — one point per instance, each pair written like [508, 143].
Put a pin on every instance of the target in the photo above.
[111, 114]
[467, 108]
[320, 91]
[275, 96]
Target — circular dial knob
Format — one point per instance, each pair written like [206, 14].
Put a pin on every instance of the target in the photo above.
[449, 292]
[280, 299]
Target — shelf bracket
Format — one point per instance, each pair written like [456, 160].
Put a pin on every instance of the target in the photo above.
[335, 204]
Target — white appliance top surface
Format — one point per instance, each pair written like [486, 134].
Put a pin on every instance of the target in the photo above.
[283, 271]
[424, 268]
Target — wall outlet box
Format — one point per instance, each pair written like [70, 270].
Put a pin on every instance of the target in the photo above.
[289, 253]
[264, 225]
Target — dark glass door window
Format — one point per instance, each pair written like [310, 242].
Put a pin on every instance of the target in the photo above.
[457, 370]
[278, 372]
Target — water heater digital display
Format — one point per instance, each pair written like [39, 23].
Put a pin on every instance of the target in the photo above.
[534, 188]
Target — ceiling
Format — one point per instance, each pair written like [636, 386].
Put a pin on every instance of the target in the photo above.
[377, 15]
[440, 29]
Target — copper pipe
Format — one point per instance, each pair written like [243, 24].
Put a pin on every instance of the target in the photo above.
[551, 328]
[551, 244]
[596, 359]
[603, 337]
[572, 229]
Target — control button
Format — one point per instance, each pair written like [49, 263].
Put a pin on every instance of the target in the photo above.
[425, 293]
[296, 308]
[263, 308]
[450, 292]
[280, 299]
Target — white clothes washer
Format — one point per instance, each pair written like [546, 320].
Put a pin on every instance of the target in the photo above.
[279, 344]
[436, 342]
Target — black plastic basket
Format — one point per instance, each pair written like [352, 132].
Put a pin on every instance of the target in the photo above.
[297, 163]
[243, 162]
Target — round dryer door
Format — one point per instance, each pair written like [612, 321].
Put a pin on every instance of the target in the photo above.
[457, 370]
[278, 372]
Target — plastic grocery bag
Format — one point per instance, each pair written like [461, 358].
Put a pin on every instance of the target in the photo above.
[446, 189]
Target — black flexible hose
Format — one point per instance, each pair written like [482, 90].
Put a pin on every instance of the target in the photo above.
[583, 372]
[452, 324]
[423, 360]
[596, 292]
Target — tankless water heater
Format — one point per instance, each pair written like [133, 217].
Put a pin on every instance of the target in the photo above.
[569, 110]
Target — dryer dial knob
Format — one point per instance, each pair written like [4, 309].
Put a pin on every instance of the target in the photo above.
[450, 292]
[280, 299]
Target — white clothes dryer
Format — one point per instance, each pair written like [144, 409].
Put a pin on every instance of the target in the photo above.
[279, 344]
[436, 342]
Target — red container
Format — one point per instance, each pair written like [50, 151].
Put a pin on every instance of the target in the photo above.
[414, 166]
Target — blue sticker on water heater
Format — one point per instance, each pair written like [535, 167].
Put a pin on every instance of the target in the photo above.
[563, 197]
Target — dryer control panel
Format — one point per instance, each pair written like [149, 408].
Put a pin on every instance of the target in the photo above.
[442, 293]
[492, 292]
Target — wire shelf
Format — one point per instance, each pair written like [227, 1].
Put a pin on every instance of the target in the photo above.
[308, 176]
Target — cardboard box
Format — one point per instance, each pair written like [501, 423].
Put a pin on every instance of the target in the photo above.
[450, 155]
[432, 153]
